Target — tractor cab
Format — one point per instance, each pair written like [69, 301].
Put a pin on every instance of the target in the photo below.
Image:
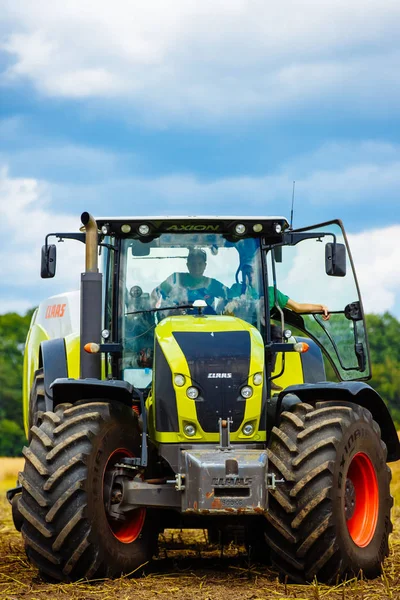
[240, 267]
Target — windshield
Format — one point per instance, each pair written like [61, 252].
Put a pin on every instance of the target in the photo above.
[161, 276]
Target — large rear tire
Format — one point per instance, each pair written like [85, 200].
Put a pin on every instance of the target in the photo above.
[68, 534]
[331, 516]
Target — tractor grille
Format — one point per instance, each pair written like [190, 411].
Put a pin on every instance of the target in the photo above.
[219, 364]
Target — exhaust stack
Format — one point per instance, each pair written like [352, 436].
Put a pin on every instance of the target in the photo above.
[91, 301]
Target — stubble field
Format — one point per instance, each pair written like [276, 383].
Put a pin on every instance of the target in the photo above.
[187, 568]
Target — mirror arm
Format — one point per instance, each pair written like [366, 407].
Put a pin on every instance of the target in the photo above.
[293, 238]
[80, 237]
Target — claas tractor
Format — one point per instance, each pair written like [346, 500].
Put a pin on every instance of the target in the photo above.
[161, 396]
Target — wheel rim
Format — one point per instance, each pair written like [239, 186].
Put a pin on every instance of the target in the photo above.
[127, 531]
[362, 501]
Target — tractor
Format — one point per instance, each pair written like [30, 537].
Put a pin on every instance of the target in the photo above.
[158, 397]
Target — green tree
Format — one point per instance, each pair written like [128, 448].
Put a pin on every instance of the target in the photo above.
[12, 438]
[384, 335]
[13, 331]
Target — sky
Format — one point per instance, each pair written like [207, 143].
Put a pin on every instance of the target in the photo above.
[188, 107]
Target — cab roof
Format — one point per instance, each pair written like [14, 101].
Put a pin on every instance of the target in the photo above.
[254, 225]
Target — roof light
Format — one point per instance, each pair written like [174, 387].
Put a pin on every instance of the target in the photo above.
[144, 229]
[257, 228]
[105, 230]
[126, 228]
[240, 229]
[278, 228]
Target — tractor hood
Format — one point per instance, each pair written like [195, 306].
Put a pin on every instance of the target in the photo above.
[218, 356]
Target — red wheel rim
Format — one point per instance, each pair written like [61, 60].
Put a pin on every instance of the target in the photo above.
[127, 531]
[362, 523]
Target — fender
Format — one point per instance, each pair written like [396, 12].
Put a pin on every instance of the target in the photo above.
[53, 359]
[71, 390]
[357, 392]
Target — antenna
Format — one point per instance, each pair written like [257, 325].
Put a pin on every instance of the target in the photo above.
[291, 212]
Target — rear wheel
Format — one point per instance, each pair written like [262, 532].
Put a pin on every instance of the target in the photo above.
[68, 533]
[332, 515]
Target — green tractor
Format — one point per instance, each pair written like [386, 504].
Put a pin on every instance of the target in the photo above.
[162, 397]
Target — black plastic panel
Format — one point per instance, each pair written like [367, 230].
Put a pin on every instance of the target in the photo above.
[312, 362]
[165, 401]
[219, 364]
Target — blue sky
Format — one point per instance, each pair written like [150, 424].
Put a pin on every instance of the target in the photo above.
[200, 108]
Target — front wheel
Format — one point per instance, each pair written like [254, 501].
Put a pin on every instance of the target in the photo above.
[331, 517]
[68, 532]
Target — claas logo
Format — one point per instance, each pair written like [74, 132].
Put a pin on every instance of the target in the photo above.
[55, 310]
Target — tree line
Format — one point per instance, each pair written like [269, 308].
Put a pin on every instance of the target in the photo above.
[383, 334]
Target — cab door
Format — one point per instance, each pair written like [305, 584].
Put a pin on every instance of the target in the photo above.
[315, 266]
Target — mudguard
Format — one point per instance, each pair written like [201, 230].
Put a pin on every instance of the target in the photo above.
[53, 359]
[72, 390]
[357, 392]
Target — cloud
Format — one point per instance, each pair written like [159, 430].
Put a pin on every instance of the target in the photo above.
[376, 257]
[25, 216]
[347, 180]
[184, 60]
[342, 181]
[351, 180]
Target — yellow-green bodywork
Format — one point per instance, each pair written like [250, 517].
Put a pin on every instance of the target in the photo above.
[186, 408]
[36, 336]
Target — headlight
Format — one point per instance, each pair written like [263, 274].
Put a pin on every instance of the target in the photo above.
[179, 380]
[248, 429]
[246, 391]
[257, 378]
[190, 430]
[192, 393]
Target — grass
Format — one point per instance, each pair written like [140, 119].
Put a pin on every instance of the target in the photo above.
[187, 568]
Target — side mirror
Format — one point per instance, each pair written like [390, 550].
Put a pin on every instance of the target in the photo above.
[48, 265]
[335, 259]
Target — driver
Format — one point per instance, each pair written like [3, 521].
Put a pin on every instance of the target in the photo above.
[183, 288]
